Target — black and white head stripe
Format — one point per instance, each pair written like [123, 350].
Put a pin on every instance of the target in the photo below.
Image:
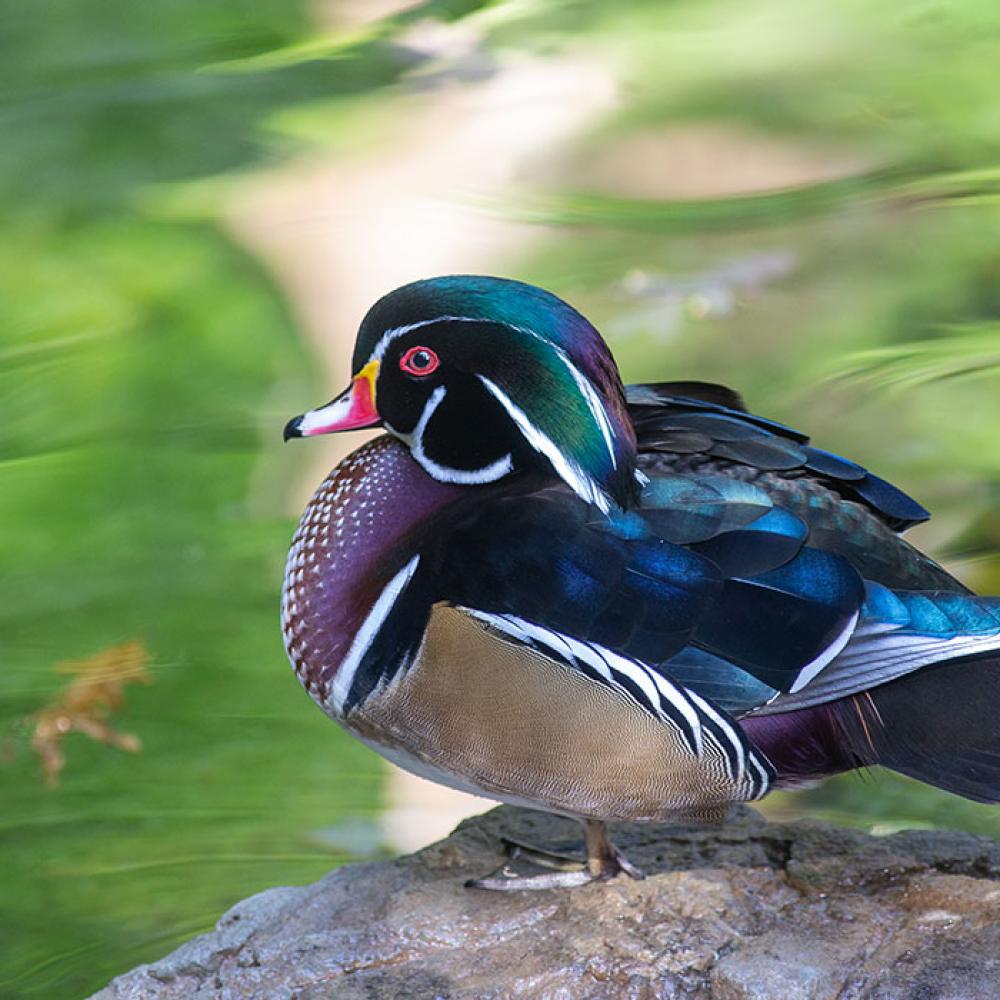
[588, 392]
[696, 721]
[378, 352]
[581, 483]
[569, 471]
[443, 473]
[340, 695]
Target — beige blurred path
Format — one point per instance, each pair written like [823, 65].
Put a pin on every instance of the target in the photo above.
[337, 232]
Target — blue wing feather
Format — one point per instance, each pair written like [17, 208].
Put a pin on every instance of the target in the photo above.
[828, 464]
[897, 634]
[755, 597]
[659, 414]
[782, 622]
[725, 684]
[764, 544]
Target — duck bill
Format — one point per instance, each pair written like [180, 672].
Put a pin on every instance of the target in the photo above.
[352, 410]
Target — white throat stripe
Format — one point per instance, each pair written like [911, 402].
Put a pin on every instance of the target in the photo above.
[443, 473]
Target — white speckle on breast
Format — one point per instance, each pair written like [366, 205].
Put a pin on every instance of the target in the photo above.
[360, 513]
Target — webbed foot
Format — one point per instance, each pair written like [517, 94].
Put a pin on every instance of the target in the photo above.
[604, 862]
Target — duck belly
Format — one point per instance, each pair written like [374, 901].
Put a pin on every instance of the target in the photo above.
[502, 720]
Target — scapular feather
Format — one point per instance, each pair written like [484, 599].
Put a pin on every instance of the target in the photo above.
[761, 444]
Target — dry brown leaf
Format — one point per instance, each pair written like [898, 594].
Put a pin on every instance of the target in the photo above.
[84, 704]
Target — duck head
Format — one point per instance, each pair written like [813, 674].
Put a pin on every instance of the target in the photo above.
[484, 378]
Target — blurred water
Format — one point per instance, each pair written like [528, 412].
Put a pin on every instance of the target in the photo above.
[759, 193]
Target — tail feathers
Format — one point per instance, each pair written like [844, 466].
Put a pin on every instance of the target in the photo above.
[940, 725]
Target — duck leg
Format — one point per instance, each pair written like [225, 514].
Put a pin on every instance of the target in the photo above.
[604, 861]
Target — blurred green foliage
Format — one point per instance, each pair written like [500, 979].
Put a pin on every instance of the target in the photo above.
[133, 398]
[142, 368]
[146, 366]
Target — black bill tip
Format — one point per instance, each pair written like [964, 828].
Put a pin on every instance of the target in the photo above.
[293, 429]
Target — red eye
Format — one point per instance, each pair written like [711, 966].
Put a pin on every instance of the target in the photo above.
[419, 361]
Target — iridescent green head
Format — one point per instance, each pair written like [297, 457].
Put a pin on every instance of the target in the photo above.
[484, 377]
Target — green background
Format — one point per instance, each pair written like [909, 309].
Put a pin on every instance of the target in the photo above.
[147, 365]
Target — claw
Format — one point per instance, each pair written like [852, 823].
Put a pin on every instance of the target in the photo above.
[626, 866]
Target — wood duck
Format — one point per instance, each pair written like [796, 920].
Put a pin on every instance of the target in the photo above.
[609, 602]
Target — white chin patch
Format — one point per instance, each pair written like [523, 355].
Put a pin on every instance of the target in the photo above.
[487, 474]
[443, 473]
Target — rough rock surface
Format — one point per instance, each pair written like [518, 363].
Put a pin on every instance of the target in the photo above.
[748, 911]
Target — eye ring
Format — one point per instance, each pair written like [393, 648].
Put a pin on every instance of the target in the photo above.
[419, 361]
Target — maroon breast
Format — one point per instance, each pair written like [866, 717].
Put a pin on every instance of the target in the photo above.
[363, 514]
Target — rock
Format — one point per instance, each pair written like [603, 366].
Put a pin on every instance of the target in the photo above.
[747, 911]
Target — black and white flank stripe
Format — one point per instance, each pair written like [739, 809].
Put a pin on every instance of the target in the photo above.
[702, 727]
